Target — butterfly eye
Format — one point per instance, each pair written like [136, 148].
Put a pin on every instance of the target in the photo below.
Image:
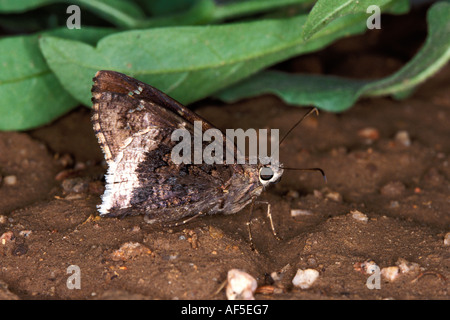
[266, 174]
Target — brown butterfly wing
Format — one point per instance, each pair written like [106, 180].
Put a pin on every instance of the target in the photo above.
[133, 123]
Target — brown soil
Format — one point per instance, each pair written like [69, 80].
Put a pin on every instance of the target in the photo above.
[49, 219]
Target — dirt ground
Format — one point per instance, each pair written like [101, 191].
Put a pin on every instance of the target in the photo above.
[387, 199]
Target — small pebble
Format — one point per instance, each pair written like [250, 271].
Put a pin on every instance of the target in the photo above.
[25, 233]
[241, 285]
[129, 250]
[305, 278]
[75, 185]
[394, 204]
[407, 267]
[10, 180]
[369, 134]
[65, 160]
[390, 273]
[402, 137]
[447, 239]
[318, 194]
[358, 215]
[335, 196]
[292, 194]
[6, 237]
[136, 229]
[300, 212]
[393, 189]
[3, 219]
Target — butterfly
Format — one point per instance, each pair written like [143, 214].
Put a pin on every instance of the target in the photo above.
[133, 122]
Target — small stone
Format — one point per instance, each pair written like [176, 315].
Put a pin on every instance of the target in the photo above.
[7, 242]
[3, 219]
[393, 189]
[305, 278]
[406, 266]
[335, 196]
[358, 215]
[241, 285]
[65, 160]
[292, 194]
[447, 239]
[390, 273]
[129, 250]
[318, 194]
[10, 180]
[25, 233]
[394, 204]
[300, 212]
[369, 134]
[75, 185]
[275, 276]
[6, 237]
[402, 137]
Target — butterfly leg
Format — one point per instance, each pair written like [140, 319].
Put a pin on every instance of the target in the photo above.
[179, 223]
[269, 215]
[249, 222]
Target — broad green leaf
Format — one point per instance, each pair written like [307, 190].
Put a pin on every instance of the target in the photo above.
[434, 54]
[210, 11]
[324, 11]
[188, 63]
[14, 6]
[30, 94]
[338, 94]
[122, 13]
[241, 8]
[326, 93]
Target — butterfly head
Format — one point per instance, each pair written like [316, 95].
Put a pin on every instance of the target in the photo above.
[270, 173]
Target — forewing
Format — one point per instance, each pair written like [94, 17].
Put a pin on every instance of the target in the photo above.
[133, 123]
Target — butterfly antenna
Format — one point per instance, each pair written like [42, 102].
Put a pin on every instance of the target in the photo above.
[298, 122]
[309, 169]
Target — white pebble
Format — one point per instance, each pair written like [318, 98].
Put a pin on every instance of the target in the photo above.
[403, 138]
[358, 215]
[25, 233]
[447, 239]
[390, 273]
[10, 180]
[305, 278]
[241, 285]
[300, 212]
[335, 196]
[406, 266]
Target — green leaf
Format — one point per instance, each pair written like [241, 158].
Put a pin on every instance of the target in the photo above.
[188, 63]
[326, 93]
[325, 11]
[30, 94]
[434, 54]
[209, 11]
[338, 94]
[14, 6]
[121, 13]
